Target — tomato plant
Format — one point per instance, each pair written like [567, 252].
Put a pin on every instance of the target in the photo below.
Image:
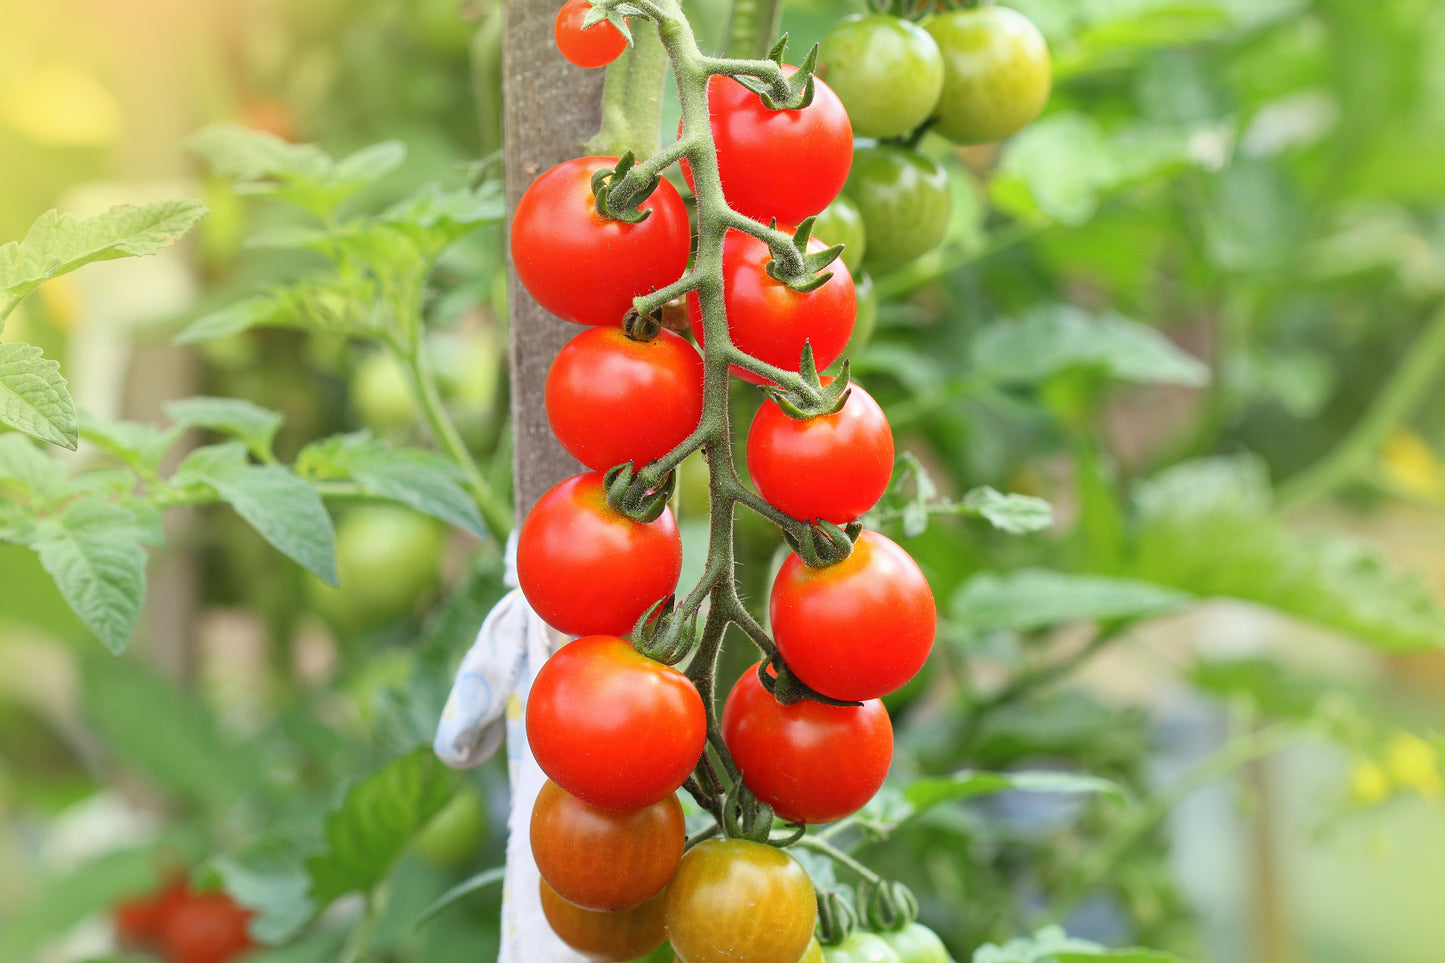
[587, 568]
[613, 727]
[996, 73]
[813, 763]
[587, 268]
[606, 937]
[613, 399]
[887, 71]
[736, 901]
[594, 46]
[783, 164]
[771, 321]
[834, 466]
[602, 859]
[916, 943]
[856, 629]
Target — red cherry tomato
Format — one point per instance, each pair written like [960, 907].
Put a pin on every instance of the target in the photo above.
[207, 928]
[602, 859]
[786, 164]
[857, 629]
[813, 763]
[611, 399]
[833, 467]
[769, 320]
[583, 267]
[613, 727]
[594, 46]
[588, 569]
[605, 937]
[139, 921]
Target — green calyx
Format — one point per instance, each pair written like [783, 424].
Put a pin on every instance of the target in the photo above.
[806, 278]
[663, 634]
[818, 399]
[790, 93]
[633, 495]
[788, 689]
[642, 327]
[619, 195]
[822, 543]
[836, 919]
[745, 816]
[886, 904]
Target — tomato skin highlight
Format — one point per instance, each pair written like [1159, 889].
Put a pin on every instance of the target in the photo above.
[834, 467]
[784, 164]
[583, 267]
[613, 727]
[857, 629]
[587, 569]
[611, 399]
[594, 46]
[605, 937]
[813, 763]
[207, 928]
[769, 320]
[996, 73]
[736, 901]
[601, 859]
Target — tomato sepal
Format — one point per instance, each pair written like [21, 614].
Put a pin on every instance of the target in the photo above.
[836, 919]
[630, 493]
[800, 86]
[886, 905]
[617, 196]
[822, 543]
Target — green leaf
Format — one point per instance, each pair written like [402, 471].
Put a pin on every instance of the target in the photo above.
[1205, 527]
[59, 243]
[252, 424]
[434, 218]
[167, 734]
[1061, 167]
[370, 163]
[1015, 514]
[253, 312]
[29, 469]
[57, 905]
[414, 477]
[1031, 599]
[1060, 337]
[285, 510]
[94, 553]
[376, 821]
[969, 783]
[1052, 945]
[138, 444]
[34, 397]
[277, 894]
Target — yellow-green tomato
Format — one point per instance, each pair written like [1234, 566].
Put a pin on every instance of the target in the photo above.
[862, 947]
[887, 71]
[386, 558]
[736, 901]
[453, 836]
[916, 943]
[380, 394]
[905, 201]
[840, 223]
[996, 73]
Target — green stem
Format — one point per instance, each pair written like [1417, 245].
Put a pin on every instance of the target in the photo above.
[497, 516]
[632, 100]
[819, 845]
[1401, 395]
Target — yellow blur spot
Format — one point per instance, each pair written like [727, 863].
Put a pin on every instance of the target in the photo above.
[61, 297]
[514, 707]
[61, 104]
[1413, 763]
[1409, 463]
[1369, 783]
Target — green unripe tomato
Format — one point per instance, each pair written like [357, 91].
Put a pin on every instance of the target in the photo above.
[861, 947]
[386, 558]
[840, 223]
[887, 71]
[453, 836]
[380, 394]
[905, 202]
[916, 943]
[996, 73]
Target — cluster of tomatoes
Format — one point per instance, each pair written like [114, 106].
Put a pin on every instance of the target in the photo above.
[184, 925]
[974, 75]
